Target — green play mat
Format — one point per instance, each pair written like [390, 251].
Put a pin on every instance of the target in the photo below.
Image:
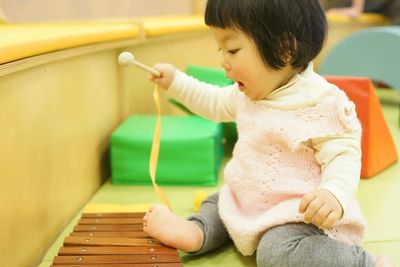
[379, 198]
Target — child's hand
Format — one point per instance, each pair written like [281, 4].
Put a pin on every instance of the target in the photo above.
[167, 75]
[321, 208]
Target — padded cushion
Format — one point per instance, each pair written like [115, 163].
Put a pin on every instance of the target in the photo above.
[190, 151]
[167, 25]
[371, 53]
[22, 40]
[19, 41]
[214, 76]
[368, 19]
[211, 75]
[378, 147]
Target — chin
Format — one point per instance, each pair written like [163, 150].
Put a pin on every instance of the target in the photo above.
[252, 97]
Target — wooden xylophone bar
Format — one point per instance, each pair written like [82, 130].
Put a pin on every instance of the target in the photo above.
[115, 240]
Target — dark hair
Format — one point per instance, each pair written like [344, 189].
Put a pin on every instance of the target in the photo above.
[279, 28]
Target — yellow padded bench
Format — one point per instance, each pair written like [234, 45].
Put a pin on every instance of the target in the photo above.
[366, 19]
[19, 41]
[24, 40]
[167, 25]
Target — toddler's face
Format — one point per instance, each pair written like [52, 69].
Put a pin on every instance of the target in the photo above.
[243, 64]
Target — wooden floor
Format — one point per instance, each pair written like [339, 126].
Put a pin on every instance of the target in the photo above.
[379, 199]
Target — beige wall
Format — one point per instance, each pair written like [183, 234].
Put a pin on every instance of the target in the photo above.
[180, 50]
[27, 10]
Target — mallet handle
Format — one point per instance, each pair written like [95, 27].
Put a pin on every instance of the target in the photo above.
[147, 68]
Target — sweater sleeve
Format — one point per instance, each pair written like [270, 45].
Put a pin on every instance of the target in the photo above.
[209, 101]
[340, 159]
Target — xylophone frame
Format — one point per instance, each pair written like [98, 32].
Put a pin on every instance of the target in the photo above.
[115, 240]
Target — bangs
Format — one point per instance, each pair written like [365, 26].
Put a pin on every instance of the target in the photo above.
[224, 14]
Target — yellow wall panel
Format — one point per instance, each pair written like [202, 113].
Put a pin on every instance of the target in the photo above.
[55, 123]
[179, 50]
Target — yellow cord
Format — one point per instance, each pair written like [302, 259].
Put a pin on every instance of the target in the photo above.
[155, 148]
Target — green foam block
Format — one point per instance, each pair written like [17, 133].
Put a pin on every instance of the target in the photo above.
[217, 77]
[211, 75]
[190, 151]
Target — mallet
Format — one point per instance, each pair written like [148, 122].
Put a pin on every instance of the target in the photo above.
[128, 59]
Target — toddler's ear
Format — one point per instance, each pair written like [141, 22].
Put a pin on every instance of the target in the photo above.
[288, 48]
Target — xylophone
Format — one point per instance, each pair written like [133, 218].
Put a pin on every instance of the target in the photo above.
[115, 240]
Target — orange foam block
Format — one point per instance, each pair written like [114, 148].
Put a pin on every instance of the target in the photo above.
[377, 145]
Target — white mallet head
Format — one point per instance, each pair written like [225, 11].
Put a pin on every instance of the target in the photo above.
[126, 59]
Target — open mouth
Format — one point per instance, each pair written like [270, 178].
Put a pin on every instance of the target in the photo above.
[241, 86]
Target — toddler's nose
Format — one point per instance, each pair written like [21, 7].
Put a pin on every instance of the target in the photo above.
[226, 66]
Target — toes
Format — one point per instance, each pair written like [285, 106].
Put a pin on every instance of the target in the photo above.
[144, 224]
[150, 209]
[145, 220]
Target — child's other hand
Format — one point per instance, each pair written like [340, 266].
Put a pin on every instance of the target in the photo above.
[321, 208]
[167, 71]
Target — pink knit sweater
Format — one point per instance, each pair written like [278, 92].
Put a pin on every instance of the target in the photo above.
[272, 167]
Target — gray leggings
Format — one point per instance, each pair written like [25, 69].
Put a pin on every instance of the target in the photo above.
[295, 244]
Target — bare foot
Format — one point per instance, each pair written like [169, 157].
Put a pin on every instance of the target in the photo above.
[383, 261]
[171, 230]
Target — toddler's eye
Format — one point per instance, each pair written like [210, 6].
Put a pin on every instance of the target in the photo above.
[233, 51]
